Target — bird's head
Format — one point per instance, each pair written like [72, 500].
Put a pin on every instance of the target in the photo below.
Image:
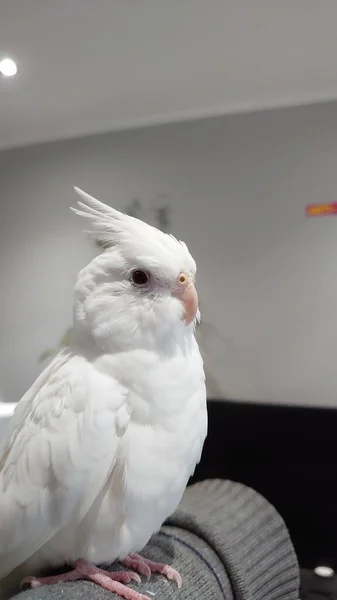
[141, 289]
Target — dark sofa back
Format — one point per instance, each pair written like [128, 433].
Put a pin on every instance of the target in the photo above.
[289, 455]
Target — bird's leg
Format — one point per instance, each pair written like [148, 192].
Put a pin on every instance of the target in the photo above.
[113, 581]
[146, 567]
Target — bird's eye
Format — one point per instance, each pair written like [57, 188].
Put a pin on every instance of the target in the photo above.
[140, 277]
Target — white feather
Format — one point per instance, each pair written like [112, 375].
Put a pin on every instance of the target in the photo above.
[100, 449]
[59, 452]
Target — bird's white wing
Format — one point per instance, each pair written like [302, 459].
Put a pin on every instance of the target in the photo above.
[59, 452]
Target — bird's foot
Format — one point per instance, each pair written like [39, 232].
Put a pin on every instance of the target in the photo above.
[146, 567]
[113, 581]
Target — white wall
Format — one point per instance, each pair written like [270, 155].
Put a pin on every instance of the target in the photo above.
[238, 187]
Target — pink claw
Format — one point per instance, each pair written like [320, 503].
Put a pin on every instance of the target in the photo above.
[138, 564]
[112, 581]
[146, 567]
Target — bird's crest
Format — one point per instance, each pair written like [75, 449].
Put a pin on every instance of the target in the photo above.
[110, 226]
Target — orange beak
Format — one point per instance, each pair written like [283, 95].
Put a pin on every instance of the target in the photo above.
[185, 292]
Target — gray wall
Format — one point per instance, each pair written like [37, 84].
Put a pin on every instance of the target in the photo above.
[238, 187]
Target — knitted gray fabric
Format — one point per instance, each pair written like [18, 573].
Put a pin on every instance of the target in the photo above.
[225, 540]
[249, 536]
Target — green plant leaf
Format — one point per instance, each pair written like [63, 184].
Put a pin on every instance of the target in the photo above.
[46, 354]
[65, 339]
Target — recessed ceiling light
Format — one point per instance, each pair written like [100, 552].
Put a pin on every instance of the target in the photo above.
[8, 67]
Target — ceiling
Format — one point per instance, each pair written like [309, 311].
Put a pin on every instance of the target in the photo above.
[86, 67]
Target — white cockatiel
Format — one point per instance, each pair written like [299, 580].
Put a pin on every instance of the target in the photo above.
[100, 449]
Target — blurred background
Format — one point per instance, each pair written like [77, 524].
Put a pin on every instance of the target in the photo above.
[220, 114]
[216, 121]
